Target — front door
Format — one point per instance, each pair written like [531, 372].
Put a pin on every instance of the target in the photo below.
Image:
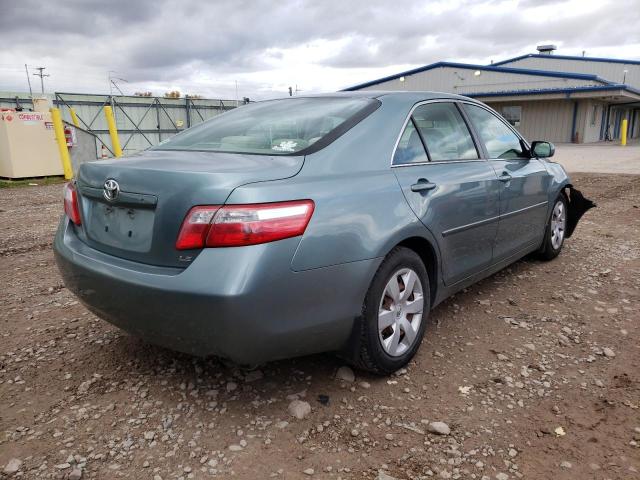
[453, 192]
[524, 185]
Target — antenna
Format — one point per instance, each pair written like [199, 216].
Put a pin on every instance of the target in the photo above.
[112, 82]
[28, 80]
[41, 75]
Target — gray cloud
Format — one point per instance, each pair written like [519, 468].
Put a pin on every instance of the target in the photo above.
[162, 42]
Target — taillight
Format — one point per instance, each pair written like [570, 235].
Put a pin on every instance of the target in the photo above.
[71, 207]
[238, 225]
[195, 227]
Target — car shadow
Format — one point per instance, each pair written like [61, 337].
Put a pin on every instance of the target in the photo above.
[215, 384]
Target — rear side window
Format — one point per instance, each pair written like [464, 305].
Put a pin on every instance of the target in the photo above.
[444, 132]
[498, 138]
[275, 127]
[410, 149]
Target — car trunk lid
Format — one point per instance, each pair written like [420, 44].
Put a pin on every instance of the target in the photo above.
[154, 190]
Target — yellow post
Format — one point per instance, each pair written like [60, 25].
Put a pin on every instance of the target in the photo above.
[74, 117]
[113, 131]
[623, 133]
[58, 128]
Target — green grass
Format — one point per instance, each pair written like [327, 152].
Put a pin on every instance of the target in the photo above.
[29, 182]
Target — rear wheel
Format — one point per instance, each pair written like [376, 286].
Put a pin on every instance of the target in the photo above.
[555, 232]
[394, 315]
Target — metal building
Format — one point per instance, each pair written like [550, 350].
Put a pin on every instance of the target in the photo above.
[546, 97]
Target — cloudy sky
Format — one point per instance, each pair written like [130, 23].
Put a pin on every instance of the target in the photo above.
[205, 47]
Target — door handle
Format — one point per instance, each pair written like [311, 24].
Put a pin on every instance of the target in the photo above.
[505, 177]
[422, 185]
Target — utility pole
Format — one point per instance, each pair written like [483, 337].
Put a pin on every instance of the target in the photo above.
[41, 75]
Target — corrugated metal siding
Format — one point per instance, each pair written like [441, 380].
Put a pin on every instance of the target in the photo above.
[545, 120]
[613, 72]
[463, 81]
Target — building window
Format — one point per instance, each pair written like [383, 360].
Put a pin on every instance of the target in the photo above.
[594, 115]
[512, 114]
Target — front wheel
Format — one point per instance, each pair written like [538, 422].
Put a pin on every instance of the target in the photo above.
[555, 231]
[394, 314]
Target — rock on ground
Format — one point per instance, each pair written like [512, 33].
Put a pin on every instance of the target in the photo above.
[12, 466]
[76, 474]
[439, 428]
[345, 374]
[299, 409]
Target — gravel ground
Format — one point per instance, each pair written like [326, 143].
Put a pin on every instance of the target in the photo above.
[533, 373]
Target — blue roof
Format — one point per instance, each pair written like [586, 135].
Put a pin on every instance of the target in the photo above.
[490, 68]
[612, 86]
[569, 57]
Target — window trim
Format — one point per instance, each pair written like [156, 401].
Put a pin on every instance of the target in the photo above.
[479, 150]
[424, 144]
[507, 124]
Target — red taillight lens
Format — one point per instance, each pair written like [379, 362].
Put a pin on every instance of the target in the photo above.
[71, 207]
[238, 225]
[195, 227]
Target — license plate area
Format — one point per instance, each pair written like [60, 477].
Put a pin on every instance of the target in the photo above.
[121, 227]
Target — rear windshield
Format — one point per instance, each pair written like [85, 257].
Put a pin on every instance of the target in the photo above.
[275, 127]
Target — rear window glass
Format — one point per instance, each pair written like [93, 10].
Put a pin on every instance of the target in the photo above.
[275, 127]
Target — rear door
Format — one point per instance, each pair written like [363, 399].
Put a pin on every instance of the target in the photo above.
[449, 187]
[524, 183]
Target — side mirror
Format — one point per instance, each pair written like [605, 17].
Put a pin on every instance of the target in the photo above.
[542, 149]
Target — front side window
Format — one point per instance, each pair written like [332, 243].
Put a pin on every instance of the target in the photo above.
[275, 127]
[444, 132]
[410, 148]
[498, 138]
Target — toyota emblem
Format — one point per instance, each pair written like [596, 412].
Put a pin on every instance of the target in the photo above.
[111, 189]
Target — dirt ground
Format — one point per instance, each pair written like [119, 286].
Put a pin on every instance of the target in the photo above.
[535, 370]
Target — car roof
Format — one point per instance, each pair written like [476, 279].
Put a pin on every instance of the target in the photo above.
[409, 97]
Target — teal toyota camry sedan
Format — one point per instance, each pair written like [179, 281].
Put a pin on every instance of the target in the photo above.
[311, 224]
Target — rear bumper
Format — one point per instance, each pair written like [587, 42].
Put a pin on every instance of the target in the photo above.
[244, 304]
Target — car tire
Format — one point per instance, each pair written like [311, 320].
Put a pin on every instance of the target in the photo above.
[384, 349]
[554, 234]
